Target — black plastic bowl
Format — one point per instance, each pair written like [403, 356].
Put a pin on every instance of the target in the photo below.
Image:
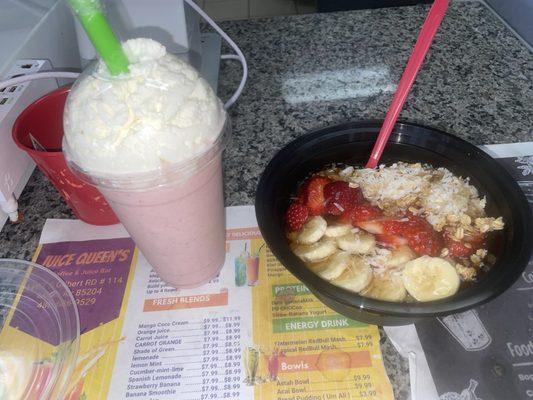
[351, 144]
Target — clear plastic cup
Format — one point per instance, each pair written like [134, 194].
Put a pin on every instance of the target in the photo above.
[39, 339]
[174, 211]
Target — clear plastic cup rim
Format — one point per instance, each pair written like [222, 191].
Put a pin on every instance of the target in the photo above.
[23, 270]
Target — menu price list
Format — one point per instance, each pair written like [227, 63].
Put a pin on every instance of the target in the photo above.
[337, 372]
[364, 386]
[360, 386]
[197, 359]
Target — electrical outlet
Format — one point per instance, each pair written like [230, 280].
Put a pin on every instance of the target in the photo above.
[15, 165]
[10, 94]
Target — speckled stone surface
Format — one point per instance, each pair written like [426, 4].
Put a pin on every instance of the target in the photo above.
[476, 81]
[310, 71]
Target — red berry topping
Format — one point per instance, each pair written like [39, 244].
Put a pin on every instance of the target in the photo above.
[340, 197]
[296, 216]
[457, 248]
[312, 194]
[425, 242]
[393, 227]
[391, 240]
[464, 248]
[420, 235]
[362, 212]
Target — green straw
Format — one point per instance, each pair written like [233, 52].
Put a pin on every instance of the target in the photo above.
[93, 20]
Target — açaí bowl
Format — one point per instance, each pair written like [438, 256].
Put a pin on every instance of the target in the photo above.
[351, 144]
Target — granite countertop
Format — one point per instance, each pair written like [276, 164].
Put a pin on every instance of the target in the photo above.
[314, 70]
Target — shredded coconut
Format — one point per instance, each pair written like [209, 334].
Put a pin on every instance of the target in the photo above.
[442, 198]
[399, 185]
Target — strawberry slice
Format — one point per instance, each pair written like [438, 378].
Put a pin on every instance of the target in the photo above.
[340, 197]
[457, 248]
[302, 193]
[382, 226]
[394, 227]
[393, 241]
[295, 216]
[420, 235]
[425, 242]
[411, 230]
[464, 248]
[361, 213]
[312, 194]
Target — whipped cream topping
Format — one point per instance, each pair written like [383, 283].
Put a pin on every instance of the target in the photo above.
[161, 113]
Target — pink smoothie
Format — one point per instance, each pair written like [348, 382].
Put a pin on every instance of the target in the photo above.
[252, 270]
[179, 228]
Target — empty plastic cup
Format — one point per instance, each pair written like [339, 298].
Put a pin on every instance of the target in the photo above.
[39, 339]
[38, 131]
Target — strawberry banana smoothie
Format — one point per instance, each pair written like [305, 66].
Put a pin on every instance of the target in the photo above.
[179, 228]
[151, 140]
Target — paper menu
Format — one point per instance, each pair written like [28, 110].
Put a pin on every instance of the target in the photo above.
[311, 351]
[254, 332]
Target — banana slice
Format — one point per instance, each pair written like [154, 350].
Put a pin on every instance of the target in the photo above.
[386, 287]
[337, 229]
[356, 277]
[400, 256]
[357, 243]
[315, 252]
[430, 278]
[312, 231]
[332, 267]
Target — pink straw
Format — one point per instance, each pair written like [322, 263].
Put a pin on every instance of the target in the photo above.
[432, 23]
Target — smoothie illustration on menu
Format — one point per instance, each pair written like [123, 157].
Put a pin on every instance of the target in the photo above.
[21, 378]
[247, 267]
[240, 267]
[251, 364]
[40, 375]
[260, 366]
[252, 268]
[468, 329]
[41, 371]
[84, 365]
[273, 362]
